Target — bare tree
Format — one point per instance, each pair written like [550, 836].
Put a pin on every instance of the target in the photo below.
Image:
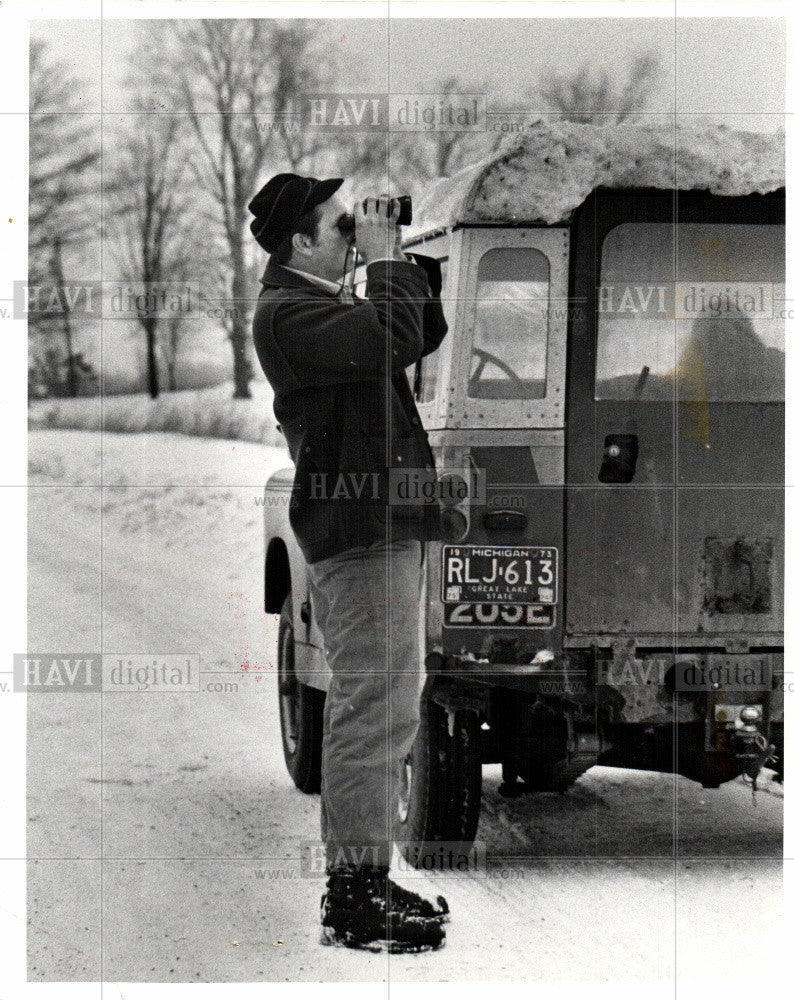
[302, 64]
[403, 161]
[64, 150]
[234, 80]
[439, 153]
[600, 98]
[193, 262]
[149, 219]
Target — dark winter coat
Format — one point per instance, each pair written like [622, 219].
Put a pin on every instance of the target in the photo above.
[344, 404]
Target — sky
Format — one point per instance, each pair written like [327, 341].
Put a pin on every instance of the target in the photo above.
[729, 68]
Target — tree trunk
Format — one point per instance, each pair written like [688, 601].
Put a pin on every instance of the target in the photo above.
[74, 388]
[57, 267]
[150, 326]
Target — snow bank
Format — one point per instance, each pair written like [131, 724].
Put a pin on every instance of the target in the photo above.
[549, 170]
[198, 412]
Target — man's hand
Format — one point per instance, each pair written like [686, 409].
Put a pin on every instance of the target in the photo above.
[377, 234]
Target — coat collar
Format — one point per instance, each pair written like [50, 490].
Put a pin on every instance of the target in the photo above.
[276, 276]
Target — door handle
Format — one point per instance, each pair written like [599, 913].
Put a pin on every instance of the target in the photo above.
[619, 462]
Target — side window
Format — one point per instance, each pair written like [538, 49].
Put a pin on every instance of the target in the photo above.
[691, 312]
[511, 325]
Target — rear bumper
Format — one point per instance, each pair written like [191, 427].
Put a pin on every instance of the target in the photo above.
[652, 688]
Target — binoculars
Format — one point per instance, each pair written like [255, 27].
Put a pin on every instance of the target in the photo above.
[401, 205]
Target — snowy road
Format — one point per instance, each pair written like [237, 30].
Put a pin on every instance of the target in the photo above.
[166, 832]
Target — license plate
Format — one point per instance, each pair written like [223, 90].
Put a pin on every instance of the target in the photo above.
[467, 615]
[507, 574]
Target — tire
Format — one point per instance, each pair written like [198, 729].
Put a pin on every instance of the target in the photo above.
[300, 711]
[441, 787]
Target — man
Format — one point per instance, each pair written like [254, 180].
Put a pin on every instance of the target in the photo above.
[337, 367]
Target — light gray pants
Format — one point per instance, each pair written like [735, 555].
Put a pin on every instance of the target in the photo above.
[366, 602]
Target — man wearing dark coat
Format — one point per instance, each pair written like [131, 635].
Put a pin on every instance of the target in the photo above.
[336, 364]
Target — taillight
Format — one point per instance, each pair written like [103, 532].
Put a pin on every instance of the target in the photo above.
[454, 525]
[460, 484]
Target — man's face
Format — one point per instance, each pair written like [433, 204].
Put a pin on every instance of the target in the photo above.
[325, 256]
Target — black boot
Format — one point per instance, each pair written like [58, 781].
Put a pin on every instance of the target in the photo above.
[363, 908]
[418, 904]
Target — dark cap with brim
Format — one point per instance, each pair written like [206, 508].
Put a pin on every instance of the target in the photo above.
[282, 201]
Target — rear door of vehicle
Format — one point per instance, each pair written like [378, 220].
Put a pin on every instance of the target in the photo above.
[503, 413]
[674, 435]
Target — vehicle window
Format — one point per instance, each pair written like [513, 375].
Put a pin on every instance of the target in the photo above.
[510, 325]
[691, 312]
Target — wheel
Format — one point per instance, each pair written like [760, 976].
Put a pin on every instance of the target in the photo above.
[300, 711]
[440, 788]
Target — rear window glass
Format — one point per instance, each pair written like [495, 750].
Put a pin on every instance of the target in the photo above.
[511, 323]
[691, 311]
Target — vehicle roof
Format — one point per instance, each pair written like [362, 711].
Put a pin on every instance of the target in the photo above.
[545, 174]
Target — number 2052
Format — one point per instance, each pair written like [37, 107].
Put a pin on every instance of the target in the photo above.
[498, 615]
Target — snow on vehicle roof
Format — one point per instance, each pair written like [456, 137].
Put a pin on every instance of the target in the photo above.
[549, 170]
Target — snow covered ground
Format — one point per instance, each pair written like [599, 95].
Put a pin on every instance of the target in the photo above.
[209, 412]
[164, 831]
